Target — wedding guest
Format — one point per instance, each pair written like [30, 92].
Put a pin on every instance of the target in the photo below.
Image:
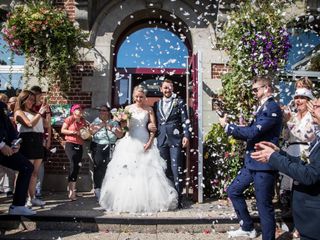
[73, 147]
[30, 127]
[172, 133]
[3, 98]
[40, 99]
[10, 157]
[304, 82]
[305, 172]
[265, 126]
[298, 132]
[7, 176]
[105, 133]
[11, 104]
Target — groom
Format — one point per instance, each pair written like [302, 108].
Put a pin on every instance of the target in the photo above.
[172, 133]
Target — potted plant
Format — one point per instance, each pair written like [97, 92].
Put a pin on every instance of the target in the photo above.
[45, 35]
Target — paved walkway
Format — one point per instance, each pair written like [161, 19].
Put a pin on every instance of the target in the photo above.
[84, 219]
[57, 204]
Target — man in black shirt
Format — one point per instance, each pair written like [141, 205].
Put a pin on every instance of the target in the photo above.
[11, 158]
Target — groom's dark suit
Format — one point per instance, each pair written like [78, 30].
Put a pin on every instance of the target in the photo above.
[172, 126]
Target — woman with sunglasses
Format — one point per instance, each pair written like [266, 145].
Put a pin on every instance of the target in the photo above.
[298, 133]
[105, 133]
[31, 128]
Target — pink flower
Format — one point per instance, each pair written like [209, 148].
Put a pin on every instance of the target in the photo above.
[124, 116]
[17, 42]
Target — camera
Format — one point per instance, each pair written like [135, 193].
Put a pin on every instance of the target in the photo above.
[218, 105]
[220, 113]
[16, 142]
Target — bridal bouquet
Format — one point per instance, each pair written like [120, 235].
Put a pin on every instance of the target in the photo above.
[121, 115]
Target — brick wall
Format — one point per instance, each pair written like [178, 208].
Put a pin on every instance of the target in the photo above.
[68, 5]
[217, 70]
[58, 162]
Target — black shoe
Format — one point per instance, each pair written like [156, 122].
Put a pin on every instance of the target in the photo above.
[9, 194]
[180, 205]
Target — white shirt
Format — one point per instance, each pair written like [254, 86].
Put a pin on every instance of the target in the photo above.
[262, 101]
[38, 128]
[166, 105]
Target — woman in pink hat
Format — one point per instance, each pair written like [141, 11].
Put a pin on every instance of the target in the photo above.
[73, 147]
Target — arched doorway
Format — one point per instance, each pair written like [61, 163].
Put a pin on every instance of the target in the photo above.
[119, 19]
[145, 54]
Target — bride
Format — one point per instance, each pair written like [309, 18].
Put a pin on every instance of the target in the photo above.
[135, 180]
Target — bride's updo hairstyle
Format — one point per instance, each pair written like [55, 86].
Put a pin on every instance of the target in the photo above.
[138, 88]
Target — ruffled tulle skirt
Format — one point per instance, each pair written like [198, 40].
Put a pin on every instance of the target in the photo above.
[135, 180]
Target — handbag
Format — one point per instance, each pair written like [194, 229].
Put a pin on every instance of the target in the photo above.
[85, 133]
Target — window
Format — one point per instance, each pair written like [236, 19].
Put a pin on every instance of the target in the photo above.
[16, 69]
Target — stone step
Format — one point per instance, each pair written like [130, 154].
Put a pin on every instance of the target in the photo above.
[121, 224]
[85, 214]
[77, 235]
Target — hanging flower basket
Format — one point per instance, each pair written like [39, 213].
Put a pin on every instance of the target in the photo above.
[45, 35]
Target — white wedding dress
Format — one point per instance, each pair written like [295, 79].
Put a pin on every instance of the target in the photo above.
[135, 180]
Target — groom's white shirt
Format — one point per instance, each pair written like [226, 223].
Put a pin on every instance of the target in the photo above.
[166, 105]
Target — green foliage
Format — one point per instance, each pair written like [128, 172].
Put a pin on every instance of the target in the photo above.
[45, 35]
[257, 42]
[222, 160]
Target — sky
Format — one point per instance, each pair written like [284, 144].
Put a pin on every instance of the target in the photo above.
[152, 47]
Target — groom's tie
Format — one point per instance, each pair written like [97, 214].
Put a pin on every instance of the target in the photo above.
[166, 107]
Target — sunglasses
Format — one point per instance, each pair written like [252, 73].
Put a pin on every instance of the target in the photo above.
[256, 89]
[316, 106]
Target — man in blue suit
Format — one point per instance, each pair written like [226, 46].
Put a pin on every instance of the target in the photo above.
[306, 176]
[266, 126]
[172, 133]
